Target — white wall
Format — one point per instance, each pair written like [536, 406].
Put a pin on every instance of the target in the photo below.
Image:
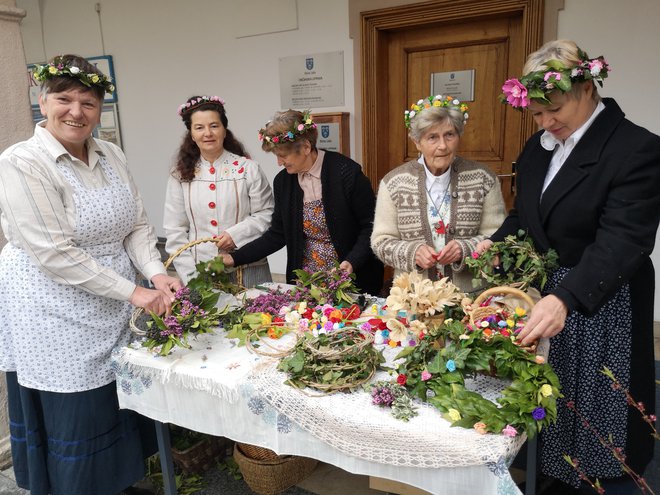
[166, 51]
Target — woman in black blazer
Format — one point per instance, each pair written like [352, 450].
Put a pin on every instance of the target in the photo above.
[589, 187]
[324, 207]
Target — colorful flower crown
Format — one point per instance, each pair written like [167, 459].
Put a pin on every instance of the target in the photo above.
[194, 103]
[298, 129]
[57, 68]
[538, 84]
[434, 101]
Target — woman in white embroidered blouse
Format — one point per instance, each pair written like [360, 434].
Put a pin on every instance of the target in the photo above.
[214, 190]
[76, 232]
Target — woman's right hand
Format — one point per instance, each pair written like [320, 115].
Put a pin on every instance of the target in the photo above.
[483, 246]
[151, 300]
[227, 259]
[425, 257]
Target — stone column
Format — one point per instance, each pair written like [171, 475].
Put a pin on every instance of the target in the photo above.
[15, 125]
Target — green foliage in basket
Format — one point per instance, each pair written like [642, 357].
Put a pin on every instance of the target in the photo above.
[193, 312]
[520, 263]
[212, 274]
[436, 374]
[334, 287]
[340, 360]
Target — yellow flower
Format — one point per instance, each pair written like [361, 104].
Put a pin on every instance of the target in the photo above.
[546, 390]
[437, 103]
[453, 414]
[94, 78]
[266, 319]
[308, 121]
[520, 312]
[510, 323]
[52, 69]
[392, 343]
[416, 108]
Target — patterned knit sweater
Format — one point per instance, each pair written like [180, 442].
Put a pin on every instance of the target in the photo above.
[401, 223]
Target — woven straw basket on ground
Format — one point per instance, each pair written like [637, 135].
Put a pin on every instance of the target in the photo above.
[201, 456]
[267, 473]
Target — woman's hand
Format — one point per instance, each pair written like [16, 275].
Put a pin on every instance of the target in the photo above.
[346, 266]
[547, 320]
[425, 257]
[153, 300]
[483, 246]
[451, 253]
[166, 284]
[225, 242]
[227, 259]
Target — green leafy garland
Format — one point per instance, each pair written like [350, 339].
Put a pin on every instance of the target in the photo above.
[528, 404]
[521, 264]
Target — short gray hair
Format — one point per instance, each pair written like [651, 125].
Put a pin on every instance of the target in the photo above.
[432, 116]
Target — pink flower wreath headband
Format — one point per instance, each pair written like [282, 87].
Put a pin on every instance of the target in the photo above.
[538, 84]
[193, 103]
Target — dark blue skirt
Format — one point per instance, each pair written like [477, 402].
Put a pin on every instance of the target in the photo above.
[76, 443]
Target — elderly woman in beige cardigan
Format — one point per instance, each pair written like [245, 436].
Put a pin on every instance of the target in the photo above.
[431, 212]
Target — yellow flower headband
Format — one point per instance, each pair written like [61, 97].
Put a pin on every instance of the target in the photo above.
[434, 101]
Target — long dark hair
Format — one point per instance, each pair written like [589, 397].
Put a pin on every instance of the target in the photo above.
[189, 153]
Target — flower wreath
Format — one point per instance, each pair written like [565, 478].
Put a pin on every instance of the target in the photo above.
[194, 103]
[298, 129]
[434, 101]
[57, 68]
[437, 375]
[538, 84]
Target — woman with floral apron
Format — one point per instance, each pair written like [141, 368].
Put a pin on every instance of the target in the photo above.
[76, 230]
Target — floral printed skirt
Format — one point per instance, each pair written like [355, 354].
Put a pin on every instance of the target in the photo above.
[319, 253]
[578, 354]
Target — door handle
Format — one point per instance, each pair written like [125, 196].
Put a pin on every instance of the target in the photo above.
[512, 175]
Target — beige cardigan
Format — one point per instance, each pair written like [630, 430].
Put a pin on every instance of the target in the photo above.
[401, 226]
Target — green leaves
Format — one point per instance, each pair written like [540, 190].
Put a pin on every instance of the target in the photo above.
[521, 264]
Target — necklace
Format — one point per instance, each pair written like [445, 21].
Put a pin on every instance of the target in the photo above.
[440, 227]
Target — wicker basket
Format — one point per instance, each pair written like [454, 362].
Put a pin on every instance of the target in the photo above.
[272, 476]
[480, 312]
[138, 311]
[201, 456]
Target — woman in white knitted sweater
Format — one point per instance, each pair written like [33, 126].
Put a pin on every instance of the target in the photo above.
[431, 212]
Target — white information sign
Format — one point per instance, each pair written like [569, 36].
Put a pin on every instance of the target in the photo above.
[459, 84]
[329, 137]
[312, 81]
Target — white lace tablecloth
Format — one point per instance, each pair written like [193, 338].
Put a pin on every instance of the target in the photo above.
[221, 389]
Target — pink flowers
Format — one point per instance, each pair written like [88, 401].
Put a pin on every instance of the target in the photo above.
[509, 431]
[475, 255]
[426, 375]
[595, 66]
[515, 93]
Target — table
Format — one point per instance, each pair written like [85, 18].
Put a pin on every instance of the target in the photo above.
[221, 389]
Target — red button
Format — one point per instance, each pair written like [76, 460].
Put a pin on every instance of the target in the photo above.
[212, 187]
[214, 223]
[212, 170]
[211, 205]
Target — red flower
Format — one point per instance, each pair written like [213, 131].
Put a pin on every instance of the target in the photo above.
[241, 170]
[401, 379]
[351, 313]
[235, 163]
[377, 323]
[308, 313]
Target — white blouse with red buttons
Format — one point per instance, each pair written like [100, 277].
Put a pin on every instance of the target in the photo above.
[231, 194]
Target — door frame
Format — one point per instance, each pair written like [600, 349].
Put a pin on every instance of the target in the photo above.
[374, 26]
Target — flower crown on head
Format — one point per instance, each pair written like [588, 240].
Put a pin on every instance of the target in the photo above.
[298, 129]
[434, 101]
[59, 68]
[538, 84]
[200, 100]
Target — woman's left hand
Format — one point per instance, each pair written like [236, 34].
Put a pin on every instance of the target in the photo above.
[451, 253]
[346, 266]
[225, 242]
[547, 320]
[166, 284]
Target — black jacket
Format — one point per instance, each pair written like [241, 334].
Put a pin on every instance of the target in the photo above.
[348, 202]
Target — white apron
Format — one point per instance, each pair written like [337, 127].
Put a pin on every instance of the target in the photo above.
[59, 337]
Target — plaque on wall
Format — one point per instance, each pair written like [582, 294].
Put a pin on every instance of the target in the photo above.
[459, 84]
[333, 132]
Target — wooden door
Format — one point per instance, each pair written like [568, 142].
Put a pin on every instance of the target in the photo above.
[403, 46]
